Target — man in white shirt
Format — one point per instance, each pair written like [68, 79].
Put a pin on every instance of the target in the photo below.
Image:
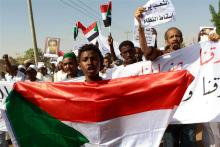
[13, 74]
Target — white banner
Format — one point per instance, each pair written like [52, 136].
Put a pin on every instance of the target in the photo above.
[157, 12]
[5, 88]
[201, 102]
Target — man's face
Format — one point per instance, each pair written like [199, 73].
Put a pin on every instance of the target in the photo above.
[69, 66]
[174, 39]
[107, 63]
[22, 70]
[43, 70]
[30, 74]
[90, 63]
[128, 54]
[52, 45]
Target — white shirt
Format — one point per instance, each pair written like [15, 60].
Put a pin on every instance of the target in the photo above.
[60, 76]
[19, 77]
[46, 78]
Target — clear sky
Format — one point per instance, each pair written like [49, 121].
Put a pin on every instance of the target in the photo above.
[55, 18]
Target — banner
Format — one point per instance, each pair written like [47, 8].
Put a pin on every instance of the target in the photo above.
[202, 99]
[150, 35]
[157, 12]
[5, 88]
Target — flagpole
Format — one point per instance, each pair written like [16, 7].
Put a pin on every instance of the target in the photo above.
[109, 28]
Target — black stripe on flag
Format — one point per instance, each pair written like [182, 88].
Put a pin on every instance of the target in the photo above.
[93, 36]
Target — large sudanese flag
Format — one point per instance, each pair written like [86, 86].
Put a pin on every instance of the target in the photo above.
[106, 11]
[124, 112]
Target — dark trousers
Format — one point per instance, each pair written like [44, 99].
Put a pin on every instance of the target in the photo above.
[180, 136]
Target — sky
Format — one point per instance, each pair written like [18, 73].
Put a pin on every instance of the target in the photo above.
[56, 18]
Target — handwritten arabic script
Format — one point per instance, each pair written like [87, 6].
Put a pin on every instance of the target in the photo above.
[158, 12]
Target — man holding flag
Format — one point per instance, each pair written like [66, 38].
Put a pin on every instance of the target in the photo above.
[73, 114]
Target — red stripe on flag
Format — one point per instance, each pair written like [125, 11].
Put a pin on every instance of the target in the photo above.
[103, 100]
[104, 8]
[92, 26]
[81, 26]
[110, 5]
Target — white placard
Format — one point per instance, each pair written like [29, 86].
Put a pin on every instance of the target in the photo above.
[157, 12]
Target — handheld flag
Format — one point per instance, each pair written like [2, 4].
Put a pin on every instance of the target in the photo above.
[91, 32]
[76, 28]
[106, 13]
[75, 31]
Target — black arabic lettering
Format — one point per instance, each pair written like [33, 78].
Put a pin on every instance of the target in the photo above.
[6, 90]
[149, 8]
[161, 17]
[164, 3]
[155, 6]
[166, 16]
[215, 86]
[190, 96]
[161, 4]
[2, 94]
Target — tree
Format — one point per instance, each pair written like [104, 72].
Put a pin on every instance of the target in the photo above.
[29, 54]
[215, 17]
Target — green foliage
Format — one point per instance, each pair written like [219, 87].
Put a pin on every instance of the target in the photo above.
[215, 17]
[29, 54]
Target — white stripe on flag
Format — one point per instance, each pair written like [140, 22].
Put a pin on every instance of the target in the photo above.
[104, 16]
[90, 33]
[138, 130]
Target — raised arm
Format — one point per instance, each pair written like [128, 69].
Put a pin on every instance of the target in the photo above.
[142, 39]
[150, 53]
[110, 43]
[7, 63]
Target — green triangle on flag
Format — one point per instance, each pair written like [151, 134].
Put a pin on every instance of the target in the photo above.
[33, 127]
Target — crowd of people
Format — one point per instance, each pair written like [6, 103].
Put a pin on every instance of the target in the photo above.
[90, 65]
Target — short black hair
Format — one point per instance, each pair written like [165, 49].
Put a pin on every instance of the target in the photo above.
[126, 43]
[90, 47]
[172, 28]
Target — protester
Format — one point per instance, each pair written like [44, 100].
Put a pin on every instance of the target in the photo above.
[70, 70]
[90, 62]
[27, 63]
[31, 74]
[175, 135]
[2, 76]
[112, 55]
[21, 68]
[107, 63]
[3, 142]
[13, 74]
[42, 74]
